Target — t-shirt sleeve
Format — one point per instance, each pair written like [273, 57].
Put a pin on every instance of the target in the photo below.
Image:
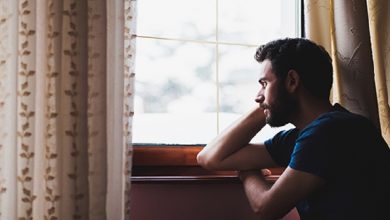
[313, 151]
[281, 146]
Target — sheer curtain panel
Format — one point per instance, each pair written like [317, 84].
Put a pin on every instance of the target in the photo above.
[66, 81]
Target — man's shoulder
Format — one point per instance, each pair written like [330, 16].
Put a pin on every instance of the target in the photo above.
[339, 118]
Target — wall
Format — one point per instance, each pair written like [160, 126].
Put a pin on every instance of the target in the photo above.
[191, 200]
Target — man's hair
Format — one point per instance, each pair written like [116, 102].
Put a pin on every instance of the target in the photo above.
[310, 60]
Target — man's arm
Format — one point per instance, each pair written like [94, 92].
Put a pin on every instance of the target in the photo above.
[231, 150]
[275, 201]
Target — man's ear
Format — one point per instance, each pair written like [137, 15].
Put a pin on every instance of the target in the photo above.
[292, 81]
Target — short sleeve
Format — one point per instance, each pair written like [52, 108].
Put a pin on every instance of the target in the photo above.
[281, 146]
[313, 151]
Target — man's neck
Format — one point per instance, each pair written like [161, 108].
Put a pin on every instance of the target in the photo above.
[309, 111]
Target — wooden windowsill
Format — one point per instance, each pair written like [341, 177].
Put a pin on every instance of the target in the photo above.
[178, 164]
[193, 179]
[152, 155]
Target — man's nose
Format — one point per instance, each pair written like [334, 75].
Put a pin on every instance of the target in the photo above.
[259, 98]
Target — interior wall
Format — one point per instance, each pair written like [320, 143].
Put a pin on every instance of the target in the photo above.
[191, 201]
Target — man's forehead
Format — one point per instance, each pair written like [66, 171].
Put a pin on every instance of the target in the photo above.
[265, 69]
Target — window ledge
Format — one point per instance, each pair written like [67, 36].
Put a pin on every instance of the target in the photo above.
[177, 155]
[178, 164]
[193, 179]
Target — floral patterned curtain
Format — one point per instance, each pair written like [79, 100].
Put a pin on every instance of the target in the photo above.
[66, 85]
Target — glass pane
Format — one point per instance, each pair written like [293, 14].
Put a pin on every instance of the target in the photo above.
[176, 88]
[193, 20]
[257, 21]
[175, 92]
[238, 75]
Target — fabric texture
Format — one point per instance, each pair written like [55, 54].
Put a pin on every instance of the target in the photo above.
[66, 85]
[353, 34]
[348, 152]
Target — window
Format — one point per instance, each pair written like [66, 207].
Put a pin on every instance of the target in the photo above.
[195, 71]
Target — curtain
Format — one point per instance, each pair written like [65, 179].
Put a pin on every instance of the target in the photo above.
[353, 33]
[66, 85]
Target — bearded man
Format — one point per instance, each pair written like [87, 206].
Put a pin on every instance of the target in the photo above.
[337, 164]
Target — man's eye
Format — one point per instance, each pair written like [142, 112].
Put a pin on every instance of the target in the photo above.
[263, 84]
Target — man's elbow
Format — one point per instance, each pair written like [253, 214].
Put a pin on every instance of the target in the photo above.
[265, 213]
[259, 211]
[206, 161]
[262, 213]
[263, 209]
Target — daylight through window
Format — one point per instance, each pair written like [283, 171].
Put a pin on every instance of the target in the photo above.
[195, 71]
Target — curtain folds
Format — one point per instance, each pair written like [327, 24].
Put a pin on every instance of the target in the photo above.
[379, 20]
[353, 33]
[66, 85]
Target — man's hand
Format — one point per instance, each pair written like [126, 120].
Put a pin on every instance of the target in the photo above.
[245, 173]
[284, 194]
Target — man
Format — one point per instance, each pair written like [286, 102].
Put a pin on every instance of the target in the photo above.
[337, 163]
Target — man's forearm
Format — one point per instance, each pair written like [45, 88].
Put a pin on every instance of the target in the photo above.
[256, 187]
[237, 136]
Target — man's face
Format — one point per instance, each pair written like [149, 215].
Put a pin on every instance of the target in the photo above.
[273, 97]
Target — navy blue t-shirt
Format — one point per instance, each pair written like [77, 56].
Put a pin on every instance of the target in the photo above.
[349, 153]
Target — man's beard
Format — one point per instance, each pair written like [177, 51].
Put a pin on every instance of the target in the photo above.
[281, 109]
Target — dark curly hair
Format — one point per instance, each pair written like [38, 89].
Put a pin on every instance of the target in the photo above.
[310, 60]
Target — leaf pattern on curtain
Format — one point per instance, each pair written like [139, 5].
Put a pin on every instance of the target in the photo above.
[5, 96]
[53, 109]
[75, 139]
[25, 112]
[128, 92]
[52, 193]
[96, 105]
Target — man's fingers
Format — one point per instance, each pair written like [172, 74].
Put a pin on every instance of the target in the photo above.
[266, 172]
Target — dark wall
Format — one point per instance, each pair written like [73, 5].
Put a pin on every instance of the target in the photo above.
[191, 201]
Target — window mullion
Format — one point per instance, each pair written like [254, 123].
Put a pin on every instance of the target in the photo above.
[217, 63]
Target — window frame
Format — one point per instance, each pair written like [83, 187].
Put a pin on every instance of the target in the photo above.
[167, 162]
[172, 163]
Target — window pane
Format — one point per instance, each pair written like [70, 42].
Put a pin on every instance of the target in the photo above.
[175, 92]
[192, 20]
[238, 73]
[179, 96]
[257, 21]
[238, 76]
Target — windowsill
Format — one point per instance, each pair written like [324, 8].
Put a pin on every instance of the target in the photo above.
[193, 179]
[178, 163]
[167, 155]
